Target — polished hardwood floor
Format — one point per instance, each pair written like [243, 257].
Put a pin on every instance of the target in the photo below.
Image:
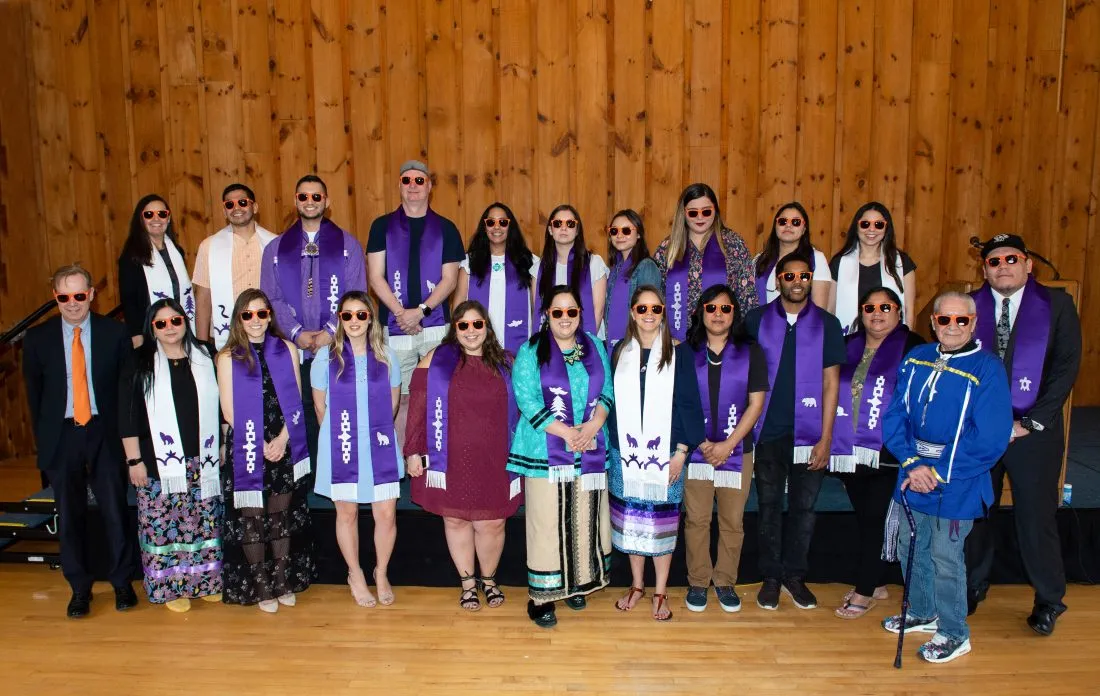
[425, 644]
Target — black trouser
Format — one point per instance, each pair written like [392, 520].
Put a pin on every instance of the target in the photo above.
[1033, 464]
[313, 427]
[83, 459]
[784, 550]
[870, 491]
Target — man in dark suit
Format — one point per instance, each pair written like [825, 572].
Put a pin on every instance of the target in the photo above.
[1036, 332]
[71, 365]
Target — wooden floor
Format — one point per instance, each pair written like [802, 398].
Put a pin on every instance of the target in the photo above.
[425, 644]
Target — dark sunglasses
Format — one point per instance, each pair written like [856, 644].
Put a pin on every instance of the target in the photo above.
[161, 324]
[361, 315]
[406, 180]
[712, 308]
[241, 202]
[63, 298]
[657, 309]
[804, 276]
[885, 308]
[1010, 259]
[696, 212]
[572, 313]
[556, 224]
[624, 230]
[317, 197]
[866, 224]
[493, 222]
[962, 320]
[479, 324]
[162, 214]
[794, 222]
[260, 314]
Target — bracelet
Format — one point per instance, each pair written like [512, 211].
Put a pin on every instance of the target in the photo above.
[134, 462]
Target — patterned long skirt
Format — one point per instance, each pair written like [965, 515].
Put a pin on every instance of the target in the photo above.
[181, 549]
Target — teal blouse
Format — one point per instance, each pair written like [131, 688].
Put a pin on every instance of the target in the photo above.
[528, 454]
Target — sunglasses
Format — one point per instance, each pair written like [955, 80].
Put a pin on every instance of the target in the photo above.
[572, 313]
[162, 214]
[556, 224]
[241, 202]
[961, 320]
[161, 324]
[479, 324]
[712, 308]
[361, 315]
[65, 297]
[1010, 259]
[866, 224]
[794, 222]
[406, 180]
[885, 308]
[657, 309]
[493, 222]
[260, 314]
[696, 212]
[624, 231]
[317, 197]
[804, 276]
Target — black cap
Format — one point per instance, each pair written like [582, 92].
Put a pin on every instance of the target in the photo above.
[1004, 240]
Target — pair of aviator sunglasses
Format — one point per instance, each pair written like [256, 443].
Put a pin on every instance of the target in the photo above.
[804, 276]
[63, 298]
[885, 308]
[258, 313]
[463, 325]
[657, 309]
[961, 320]
[361, 315]
[161, 324]
[162, 214]
[1010, 259]
[711, 308]
[558, 312]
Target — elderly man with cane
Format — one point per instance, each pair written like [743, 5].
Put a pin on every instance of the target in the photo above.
[949, 422]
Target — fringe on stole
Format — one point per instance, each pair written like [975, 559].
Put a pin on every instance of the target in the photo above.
[172, 485]
[301, 469]
[890, 535]
[248, 499]
[515, 487]
[846, 463]
[645, 490]
[727, 479]
[594, 482]
[345, 492]
[387, 491]
[561, 474]
[700, 471]
[435, 479]
[802, 454]
[210, 486]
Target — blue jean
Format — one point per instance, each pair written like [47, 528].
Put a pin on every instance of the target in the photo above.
[938, 584]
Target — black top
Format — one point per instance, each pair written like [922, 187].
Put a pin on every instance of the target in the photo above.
[687, 409]
[133, 290]
[870, 277]
[779, 420]
[758, 381]
[133, 418]
[453, 252]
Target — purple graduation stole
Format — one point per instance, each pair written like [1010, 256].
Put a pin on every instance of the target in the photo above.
[809, 340]
[618, 301]
[248, 420]
[733, 399]
[561, 462]
[517, 305]
[444, 362]
[861, 442]
[588, 310]
[430, 262]
[344, 431]
[1030, 338]
[330, 276]
[678, 280]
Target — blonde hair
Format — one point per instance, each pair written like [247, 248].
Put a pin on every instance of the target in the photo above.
[74, 269]
[375, 339]
[678, 234]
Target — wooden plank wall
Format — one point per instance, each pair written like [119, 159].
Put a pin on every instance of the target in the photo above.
[966, 117]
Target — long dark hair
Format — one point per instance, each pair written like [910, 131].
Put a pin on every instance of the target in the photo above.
[640, 250]
[541, 339]
[138, 249]
[237, 345]
[697, 330]
[889, 249]
[678, 238]
[668, 350]
[860, 328]
[492, 353]
[770, 254]
[548, 264]
[145, 358]
[515, 249]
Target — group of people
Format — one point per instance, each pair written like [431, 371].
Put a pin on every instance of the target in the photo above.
[609, 397]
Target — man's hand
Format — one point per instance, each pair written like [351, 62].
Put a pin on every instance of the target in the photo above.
[1019, 430]
[921, 479]
[320, 339]
[819, 455]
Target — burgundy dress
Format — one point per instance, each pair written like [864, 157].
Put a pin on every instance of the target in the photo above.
[477, 444]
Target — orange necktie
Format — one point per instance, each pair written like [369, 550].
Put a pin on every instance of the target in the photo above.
[82, 403]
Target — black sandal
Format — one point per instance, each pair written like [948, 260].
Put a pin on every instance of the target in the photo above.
[493, 596]
[468, 600]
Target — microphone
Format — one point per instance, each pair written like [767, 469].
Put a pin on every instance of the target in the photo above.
[977, 244]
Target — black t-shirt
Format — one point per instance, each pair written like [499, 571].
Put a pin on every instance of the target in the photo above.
[779, 419]
[870, 277]
[453, 252]
[758, 381]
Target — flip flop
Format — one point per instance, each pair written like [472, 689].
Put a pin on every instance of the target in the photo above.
[854, 611]
[881, 594]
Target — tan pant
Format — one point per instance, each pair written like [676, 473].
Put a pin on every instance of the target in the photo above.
[698, 508]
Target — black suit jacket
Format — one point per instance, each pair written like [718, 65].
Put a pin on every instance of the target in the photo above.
[44, 372]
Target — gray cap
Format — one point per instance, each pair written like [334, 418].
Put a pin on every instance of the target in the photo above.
[414, 164]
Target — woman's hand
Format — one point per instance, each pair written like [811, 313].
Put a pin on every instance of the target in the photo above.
[139, 475]
[274, 450]
[414, 464]
[676, 466]
[586, 434]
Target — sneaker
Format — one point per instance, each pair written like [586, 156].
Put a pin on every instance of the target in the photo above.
[728, 599]
[696, 599]
[943, 649]
[768, 596]
[912, 624]
[803, 598]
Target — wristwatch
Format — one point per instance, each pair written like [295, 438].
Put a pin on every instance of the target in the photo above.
[426, 309]
[1032, 426]
[134, 462]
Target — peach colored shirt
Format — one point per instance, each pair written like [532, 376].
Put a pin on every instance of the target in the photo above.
[245, 266]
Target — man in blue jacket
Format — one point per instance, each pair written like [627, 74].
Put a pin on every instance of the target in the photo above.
[949, 422]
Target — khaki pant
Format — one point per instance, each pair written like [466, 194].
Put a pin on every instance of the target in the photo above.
[698, 507]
